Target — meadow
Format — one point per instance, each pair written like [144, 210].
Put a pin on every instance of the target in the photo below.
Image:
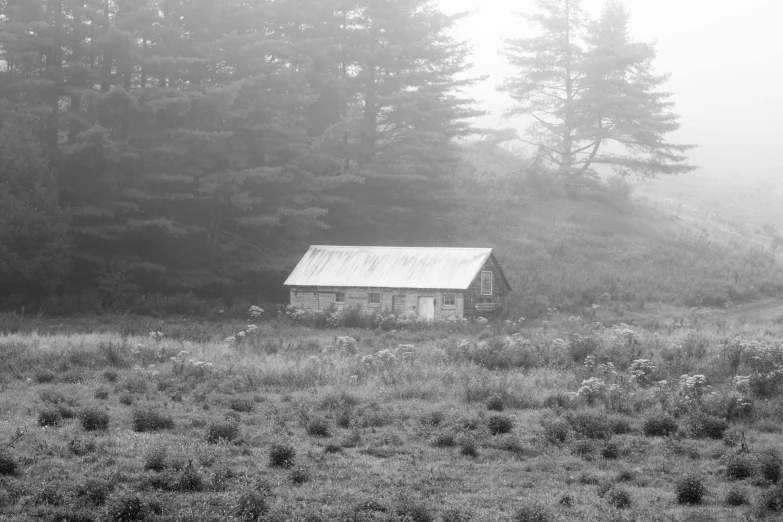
[666, 414]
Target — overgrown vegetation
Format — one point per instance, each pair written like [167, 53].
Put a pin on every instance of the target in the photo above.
[585, 415]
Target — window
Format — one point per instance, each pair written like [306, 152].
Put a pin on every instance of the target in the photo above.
[339, 297]
[374, 298]
[486, 283]
[449, 300]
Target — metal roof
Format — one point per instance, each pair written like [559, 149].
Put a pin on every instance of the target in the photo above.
[389, 267]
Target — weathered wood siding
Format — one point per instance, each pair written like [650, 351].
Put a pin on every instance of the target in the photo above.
[499, 289]
[322, 298]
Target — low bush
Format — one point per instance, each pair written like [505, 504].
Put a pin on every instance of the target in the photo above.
[317, 427]
[412, 511]
[736, 497]
[739, 467]
[147, 420]
[690, 490]
[111, 375]
[533, 512]
[281, 456]
[771, 501]
[610, 451]
[619, 498]
[661, 425]
[456, 515]
[299, 476]
[156, 459]
[94, 491]
[433, 418]
[590, 424]
[707, 426]
[49, 417]
[770, 465]
[252, 506]
[242, 405]
[498, 424]
[8, 465]
[101, 393]
[584, 449]
[190, 481]
[444, 440]
[557, 430]
[45, 376]
[126, 399]
[81, 447]
[94, 419]
[225, 431]
[495, 403]
[468, 449]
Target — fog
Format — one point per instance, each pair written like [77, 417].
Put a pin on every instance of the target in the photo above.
[725, 60]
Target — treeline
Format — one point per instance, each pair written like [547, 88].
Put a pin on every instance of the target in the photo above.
[199, 145]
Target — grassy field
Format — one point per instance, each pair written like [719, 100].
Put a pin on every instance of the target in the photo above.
[612, 415]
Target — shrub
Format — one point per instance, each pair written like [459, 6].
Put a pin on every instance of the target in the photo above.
[556, 431]
[81, 447]
[499, 424]
[137, 385]
[8, 465]
[468, 449]
[102, 393]
[149, 420]
[736, 497]
[126, 399]
[533, 512]
[299, 476]
[252, 506]
[242, 405]
[707, 426]
[590, 424]
[444, 440]
[625, 476]
[94, 419]
[222, 432]
[659, 426]
[281, 456]
[49, 417]
[610, 451]
[111, 375]
[771, 501]
[558, 401]
[456, 515]
[94, 491]
[619, 498]
[65, 412]
[333, 448]
[495, 403]
[127, 509]
[317, 427]
[156, 460]
[583, 449]
[739, 467]
[690, 490]
[45, 376]
[620, 424]
[433, 418]
[771, 465]
[413, 512]
[190, 480]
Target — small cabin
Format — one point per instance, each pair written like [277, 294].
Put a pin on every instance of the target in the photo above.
[434, 283]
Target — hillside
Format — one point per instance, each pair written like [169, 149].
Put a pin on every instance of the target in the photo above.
[572, 249]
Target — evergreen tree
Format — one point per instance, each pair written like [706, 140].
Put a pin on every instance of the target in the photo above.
[34, 249]
[592, 94]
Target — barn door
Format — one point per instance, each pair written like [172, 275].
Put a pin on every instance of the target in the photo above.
[427, 308]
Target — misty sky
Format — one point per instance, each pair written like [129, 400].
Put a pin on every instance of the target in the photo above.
[725, 59]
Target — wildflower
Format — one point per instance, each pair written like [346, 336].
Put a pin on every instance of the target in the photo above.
[481, 320]
[255, 311]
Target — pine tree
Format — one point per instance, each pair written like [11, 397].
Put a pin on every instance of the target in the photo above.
[34, 246]
[592, 94]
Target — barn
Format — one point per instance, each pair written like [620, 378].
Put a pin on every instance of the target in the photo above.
[433, 282]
